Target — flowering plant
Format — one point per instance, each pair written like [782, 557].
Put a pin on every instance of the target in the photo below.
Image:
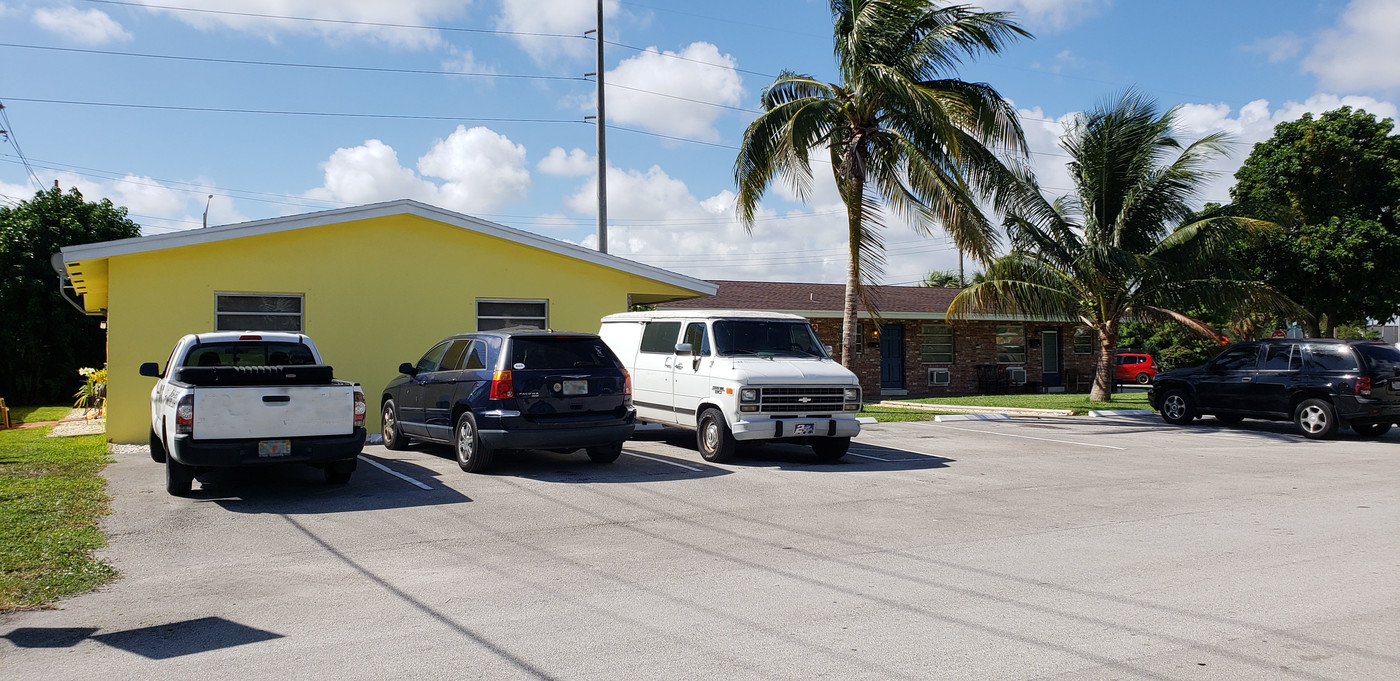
[93, 395]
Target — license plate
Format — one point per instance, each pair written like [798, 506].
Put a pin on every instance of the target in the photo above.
[575, 387]
[270, 448]
[804, 429]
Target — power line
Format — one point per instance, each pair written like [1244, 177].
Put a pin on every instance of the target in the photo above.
[273, 112]
[9, 133]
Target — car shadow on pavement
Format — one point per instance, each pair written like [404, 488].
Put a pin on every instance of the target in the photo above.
[303, 489]
[862, 456]
[157, 642]
[575, 467]
[1281, 432]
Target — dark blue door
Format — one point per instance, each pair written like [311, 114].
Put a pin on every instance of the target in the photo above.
[892, 356]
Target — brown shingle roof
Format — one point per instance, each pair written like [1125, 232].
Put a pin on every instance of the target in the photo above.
[818, 300]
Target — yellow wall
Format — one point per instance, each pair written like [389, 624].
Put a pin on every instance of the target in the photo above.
[378, 292]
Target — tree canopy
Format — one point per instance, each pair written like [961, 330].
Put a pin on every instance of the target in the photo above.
[1338, 177]
[902, 134]
[43, 338]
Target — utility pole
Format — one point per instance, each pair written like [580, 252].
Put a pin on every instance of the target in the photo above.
[601, 122]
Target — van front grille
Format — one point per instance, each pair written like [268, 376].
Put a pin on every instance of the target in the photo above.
[801, 400]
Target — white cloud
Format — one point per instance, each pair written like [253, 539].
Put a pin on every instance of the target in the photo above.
[260, 18]
[1362, 52]
[1052, 15]
[567, 164]
[86, 27]
[1281, 47]
[482, 169]
[555, 17]
[463, 61]
[701, 75]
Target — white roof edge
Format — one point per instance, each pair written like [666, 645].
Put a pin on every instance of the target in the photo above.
[190, 237]
[706, 313]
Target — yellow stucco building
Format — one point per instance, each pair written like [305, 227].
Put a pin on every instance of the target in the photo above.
[372, 285]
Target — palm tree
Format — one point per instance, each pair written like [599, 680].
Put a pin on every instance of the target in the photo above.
[1127, 243]
[901, 134]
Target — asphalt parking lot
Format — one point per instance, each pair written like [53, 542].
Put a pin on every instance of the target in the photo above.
[1072, 548]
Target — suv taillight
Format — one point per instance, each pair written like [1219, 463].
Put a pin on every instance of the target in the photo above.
[502, 386]
[359, 409]
[626, 383]
[184, 416]
[1363, 385]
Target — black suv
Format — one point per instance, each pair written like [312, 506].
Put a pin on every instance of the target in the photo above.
[1319, 384]
[513, 388]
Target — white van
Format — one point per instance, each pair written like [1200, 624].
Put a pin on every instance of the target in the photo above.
[736, 376]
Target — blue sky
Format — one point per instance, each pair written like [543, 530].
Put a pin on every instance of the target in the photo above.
[478, 106]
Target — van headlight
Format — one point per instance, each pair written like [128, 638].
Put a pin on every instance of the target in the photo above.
[852, 394]
[748, 395]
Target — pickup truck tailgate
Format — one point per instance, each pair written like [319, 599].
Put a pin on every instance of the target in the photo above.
[273, 411]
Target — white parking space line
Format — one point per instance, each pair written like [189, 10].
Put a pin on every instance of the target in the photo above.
[394, 473]
[1028, 437]
[668, 463]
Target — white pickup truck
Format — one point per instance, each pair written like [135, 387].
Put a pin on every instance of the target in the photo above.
[736, 376]
[230, 399]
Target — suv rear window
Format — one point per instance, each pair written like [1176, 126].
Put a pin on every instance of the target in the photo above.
[1379, 358]
[560, 353]
[1331, 357]
[249, 354]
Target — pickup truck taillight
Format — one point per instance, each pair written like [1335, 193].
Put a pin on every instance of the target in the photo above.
[184, 416]
[1363, 385]
[359, 409]
[502, 386]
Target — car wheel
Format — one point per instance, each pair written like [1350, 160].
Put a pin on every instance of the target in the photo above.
[1371, 429]
[1228, 419]
[1316, 418]
[473, 456]
[1178, 408]
[605, 453]
[712, 436]
[338, 472]
[389, 427]
[157, 448]
[178, 477]
[831, 448]
[1143, 379]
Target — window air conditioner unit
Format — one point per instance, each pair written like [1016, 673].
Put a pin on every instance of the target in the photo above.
[939, 376]
[1016, 375]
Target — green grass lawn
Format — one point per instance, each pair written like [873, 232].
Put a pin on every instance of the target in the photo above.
[888, 414]
[1079, 402]
[51, 495]
[33, 414]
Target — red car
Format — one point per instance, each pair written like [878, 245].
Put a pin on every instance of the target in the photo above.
[1135, 367]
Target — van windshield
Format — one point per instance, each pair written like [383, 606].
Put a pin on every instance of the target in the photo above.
[766, 338]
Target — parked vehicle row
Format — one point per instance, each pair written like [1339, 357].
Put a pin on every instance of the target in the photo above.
[1322, 385]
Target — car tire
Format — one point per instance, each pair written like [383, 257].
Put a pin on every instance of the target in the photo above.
[338, 472]
[157, 448]
[713, 438]
[1371, 429]
[831, 449]
[473, 456]
[389, 427]
[1316, 418]
[1228, 419]
[605, 453]
[1178, 407]
[1143, 379]
[178, 477]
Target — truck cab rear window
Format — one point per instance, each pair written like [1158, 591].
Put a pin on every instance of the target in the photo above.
[249, 354]
[560, 353]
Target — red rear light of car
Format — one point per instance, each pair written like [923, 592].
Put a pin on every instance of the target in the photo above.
[626, 382]
[250, 338]
[502, 386]
[1363, 385]
[359, 409]
[184, 416]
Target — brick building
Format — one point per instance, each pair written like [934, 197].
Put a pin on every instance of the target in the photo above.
[914, 350]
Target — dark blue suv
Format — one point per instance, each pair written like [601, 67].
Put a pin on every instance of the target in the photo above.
[519, 388]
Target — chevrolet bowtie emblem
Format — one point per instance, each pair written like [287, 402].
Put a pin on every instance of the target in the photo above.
[804, 399]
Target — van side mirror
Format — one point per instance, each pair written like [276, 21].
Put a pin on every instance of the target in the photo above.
[683, 348]
[150, 369]
[409, 369]
[828, 349]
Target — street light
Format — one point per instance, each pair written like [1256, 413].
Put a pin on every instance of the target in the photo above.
[206, 210]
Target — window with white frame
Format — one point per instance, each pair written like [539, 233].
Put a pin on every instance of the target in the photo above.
[936, 346]
[1011, 344]
[1083, 341]
[258, 312]
[499, 314]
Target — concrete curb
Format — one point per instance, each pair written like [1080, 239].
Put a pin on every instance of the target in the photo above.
[867, 420]
[1122, 412]
[971, 417]
[973, 409]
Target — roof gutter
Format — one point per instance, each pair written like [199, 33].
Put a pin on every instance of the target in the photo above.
[65, 284]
